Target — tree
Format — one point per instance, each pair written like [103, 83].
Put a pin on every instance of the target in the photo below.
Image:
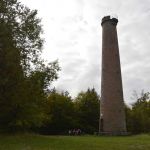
[24, 76]
[138, 117]
[87, 110]
[60, 110]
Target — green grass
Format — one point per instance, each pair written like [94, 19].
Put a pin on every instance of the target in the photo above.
[38, 142]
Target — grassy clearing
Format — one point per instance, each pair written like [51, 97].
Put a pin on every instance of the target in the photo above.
[38, 142]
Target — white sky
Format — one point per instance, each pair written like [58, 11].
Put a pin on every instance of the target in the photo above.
[72, 32]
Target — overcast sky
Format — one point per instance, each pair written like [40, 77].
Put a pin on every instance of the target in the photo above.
[72, 32]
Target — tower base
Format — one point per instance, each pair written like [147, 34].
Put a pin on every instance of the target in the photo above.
[114, 133]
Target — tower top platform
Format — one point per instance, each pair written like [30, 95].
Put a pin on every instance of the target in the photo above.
[111, 19]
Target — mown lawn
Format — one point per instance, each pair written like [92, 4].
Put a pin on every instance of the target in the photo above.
[38, 142]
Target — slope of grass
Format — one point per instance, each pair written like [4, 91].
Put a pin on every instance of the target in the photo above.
[38, 142]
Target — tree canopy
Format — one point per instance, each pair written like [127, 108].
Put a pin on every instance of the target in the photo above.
[87, 106]
[24, 76]
[138, 116]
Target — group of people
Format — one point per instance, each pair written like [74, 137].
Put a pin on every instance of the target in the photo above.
[75, 132]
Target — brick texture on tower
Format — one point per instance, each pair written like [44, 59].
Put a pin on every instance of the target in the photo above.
[112, 114]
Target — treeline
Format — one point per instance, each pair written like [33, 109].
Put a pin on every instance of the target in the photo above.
[65, 114]
[82, 113]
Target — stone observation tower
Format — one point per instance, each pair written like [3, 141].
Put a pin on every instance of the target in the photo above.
[112, 114]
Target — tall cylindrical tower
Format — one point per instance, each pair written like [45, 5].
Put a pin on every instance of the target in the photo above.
[112, 114]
